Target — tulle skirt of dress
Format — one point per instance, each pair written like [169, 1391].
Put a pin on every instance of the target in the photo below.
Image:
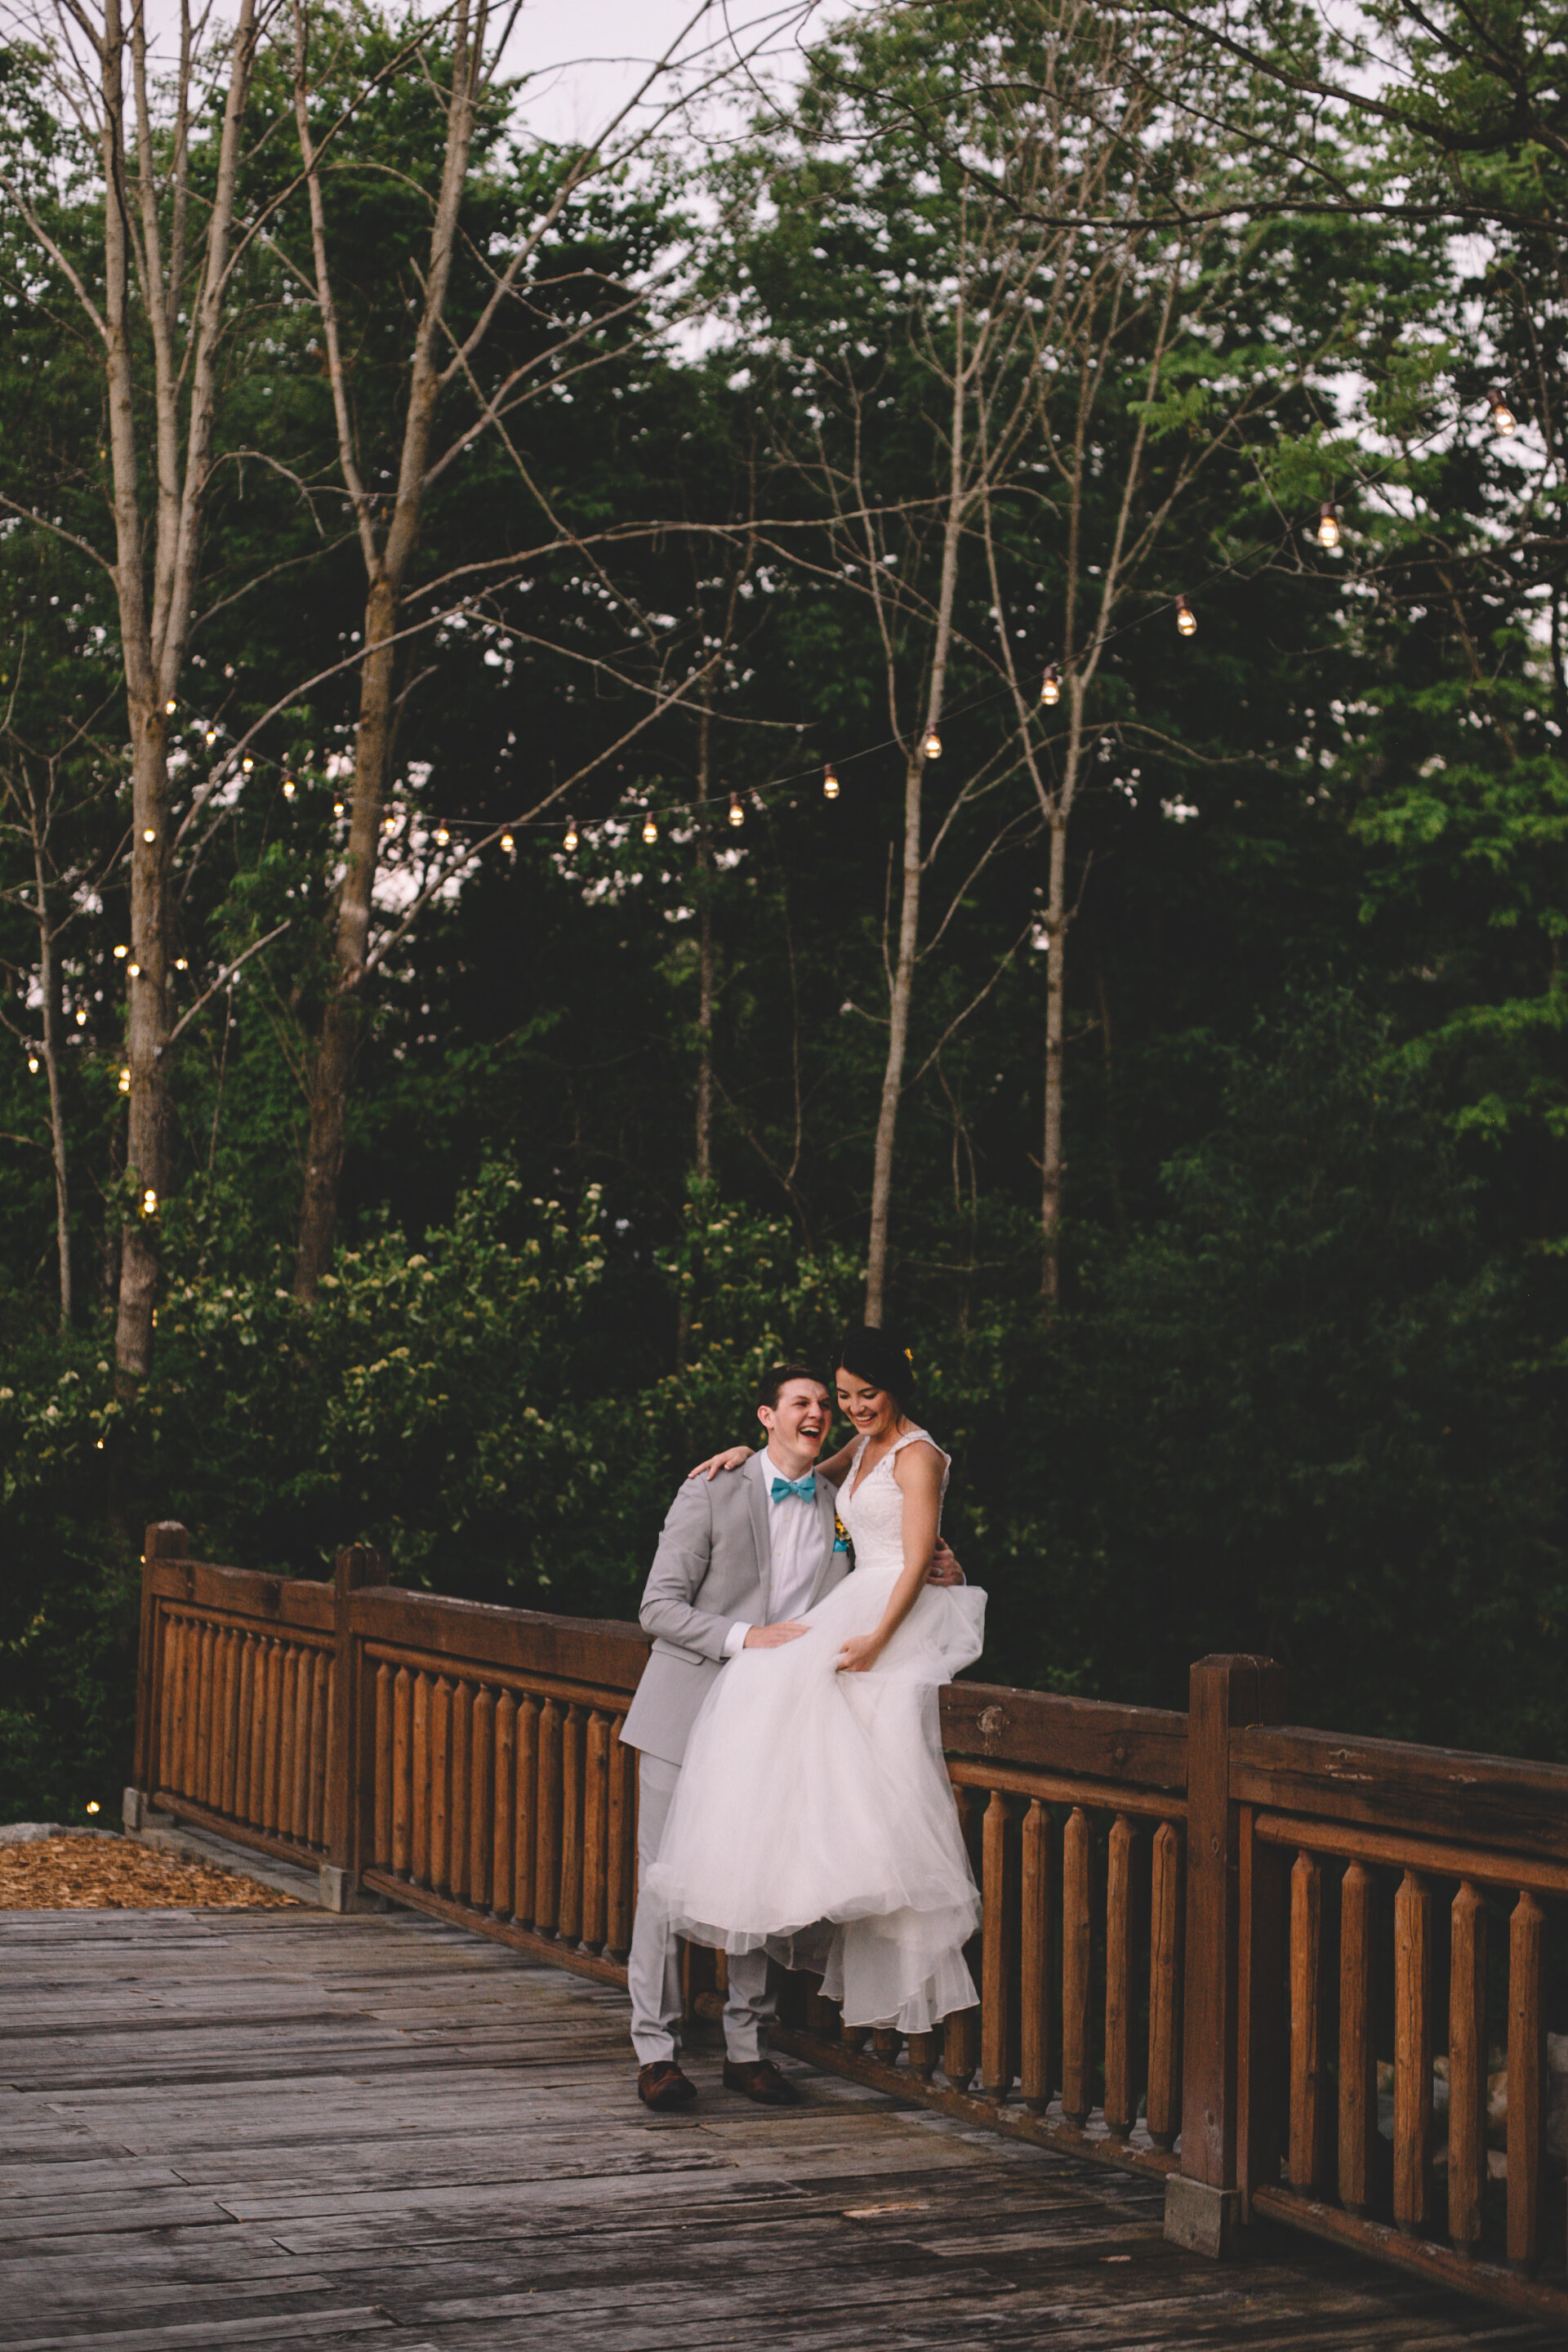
[814, 1814]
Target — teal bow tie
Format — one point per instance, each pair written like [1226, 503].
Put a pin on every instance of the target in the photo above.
[805, 1488]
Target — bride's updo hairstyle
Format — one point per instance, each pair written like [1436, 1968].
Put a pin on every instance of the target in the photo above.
[881, 1359]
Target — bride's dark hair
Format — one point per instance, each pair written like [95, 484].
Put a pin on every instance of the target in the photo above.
[881, 1357]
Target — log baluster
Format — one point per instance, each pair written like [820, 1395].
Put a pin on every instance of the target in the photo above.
[419, 1808]
[886, 2043]
[440, 1783]
[547, 1823]
[1036, 1909]
[382, 1847]
[304, 1733]
[462, 1768]
[481, 1798]
[1309, 2103]
[222, 1798]
[1077, 1858]
[287, 1734]
[273, 1734]
[1412, 2052]
[171, 1698]
[568, 1920]
[1168, 1946]
[998, 1885]
[321, 1708]
[402, 1772]
[245, 1731]
[596, 1832]
[202, 1773]
[505, 1802]
[960, 2030]
[525, 1830]
[1120, 2021]
[622, 1843]
[1467, 2066]
[1358, 2051]
[823, 2022]
[1526, 2080]
[194, 1632]
[256, 1804]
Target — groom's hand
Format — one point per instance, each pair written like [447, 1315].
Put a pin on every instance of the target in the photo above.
[773, 1637]
[943, 1569]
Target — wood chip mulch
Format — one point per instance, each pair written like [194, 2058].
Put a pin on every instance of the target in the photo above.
[115, 1874]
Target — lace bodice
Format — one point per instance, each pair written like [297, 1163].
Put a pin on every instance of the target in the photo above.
[873, 1511]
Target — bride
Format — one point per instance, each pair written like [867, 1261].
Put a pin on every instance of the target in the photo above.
[814, 1815]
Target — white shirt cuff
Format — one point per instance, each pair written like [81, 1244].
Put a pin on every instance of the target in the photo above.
[735, 1638]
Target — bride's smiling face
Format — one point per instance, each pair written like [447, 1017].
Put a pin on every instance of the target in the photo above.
[874, 1413]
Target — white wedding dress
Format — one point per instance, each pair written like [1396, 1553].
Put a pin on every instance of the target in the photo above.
[814, 1813]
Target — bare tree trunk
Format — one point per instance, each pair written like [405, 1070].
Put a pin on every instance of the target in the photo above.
[1051, 1160]
[899, 997]
[704, 1161]
[49, 986]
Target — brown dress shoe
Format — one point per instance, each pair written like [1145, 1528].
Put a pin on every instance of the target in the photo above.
[662, 2086]
[760, 2079]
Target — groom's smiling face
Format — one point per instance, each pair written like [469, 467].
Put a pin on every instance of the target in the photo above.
[800, 1419]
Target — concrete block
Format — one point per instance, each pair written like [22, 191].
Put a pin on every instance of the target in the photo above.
[133, 1808]
[1204, 2221]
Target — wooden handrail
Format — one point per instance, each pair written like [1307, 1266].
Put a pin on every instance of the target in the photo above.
[1178, 1911]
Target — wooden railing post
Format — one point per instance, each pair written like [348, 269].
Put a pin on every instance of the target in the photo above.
[164, 1540]
[1202, 2202]
[350, 1805]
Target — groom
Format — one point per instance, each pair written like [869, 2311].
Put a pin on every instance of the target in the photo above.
[739, 1558]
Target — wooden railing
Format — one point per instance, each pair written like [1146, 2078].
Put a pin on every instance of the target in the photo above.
[1193, 1952]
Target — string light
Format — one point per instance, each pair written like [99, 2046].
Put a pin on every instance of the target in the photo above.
[125, 1082]
[149, 1202]
[507, 844]
[182, 963]
[248, 763]
[1503, 417]
[148, 834]
[570, 840]
[32, 1061]
[122, 951]
[829, 784]
[737, 813]
[389, 822]
[289, 788]
[80, 1017]
[1051, 690]
[1186, 619]
[649, 829]
[134, 970]
[931, 747]
[211, 734]
[1328, 533]
[338, 810]
[442, 836]
[170, 708]
[92, 1804]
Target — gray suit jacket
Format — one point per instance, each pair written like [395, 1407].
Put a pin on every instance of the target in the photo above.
[711, 1570]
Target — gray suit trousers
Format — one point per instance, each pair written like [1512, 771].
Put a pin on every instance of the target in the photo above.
[653, 1964]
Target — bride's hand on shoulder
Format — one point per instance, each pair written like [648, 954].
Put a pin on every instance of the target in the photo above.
[859, 1654]
[734, 1457]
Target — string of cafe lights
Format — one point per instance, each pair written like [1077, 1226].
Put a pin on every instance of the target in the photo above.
[1327, 532]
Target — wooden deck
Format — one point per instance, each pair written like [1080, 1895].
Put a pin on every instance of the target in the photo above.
[285, 2128]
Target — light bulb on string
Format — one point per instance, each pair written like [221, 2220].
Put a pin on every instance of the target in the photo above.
[931, 747]
[170, 708]
[149, 1202]
[442, 836]
[125, 1082]
[337, 808]
[33, 1062]
[1186, 619]
[649, 829]
[737, 813]
[289, 788]
[182, 963]
[1328, 531]
[134, 970]
[389, 822]
[211, 734]
[1051, 689]
[122, 951]
[80, 1017]
[570, 840]
[1503, 418]
[829, 783]
[507, 844]
[248, 763]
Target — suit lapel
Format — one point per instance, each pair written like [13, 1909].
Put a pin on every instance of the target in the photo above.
[757, 1501]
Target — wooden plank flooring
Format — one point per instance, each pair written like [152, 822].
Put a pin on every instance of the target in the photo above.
[268, 2129]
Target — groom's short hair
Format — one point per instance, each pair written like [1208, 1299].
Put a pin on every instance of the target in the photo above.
[777, 1377]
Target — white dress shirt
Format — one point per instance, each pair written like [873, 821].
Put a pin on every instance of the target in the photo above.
[794, 1530]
